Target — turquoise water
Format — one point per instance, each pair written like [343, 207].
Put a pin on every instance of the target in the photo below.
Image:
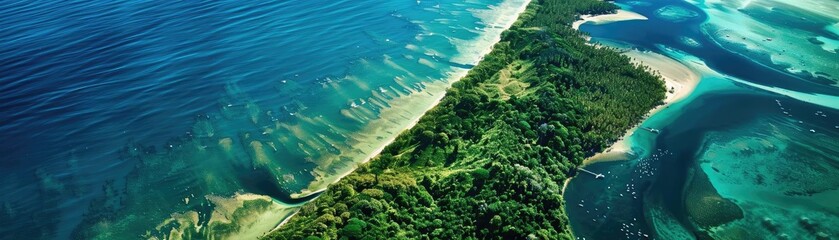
[126, 119]
[750, 154]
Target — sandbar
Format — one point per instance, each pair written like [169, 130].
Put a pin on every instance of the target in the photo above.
[618, 16]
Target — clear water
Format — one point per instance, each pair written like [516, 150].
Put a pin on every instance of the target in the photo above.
[751, 154]
[154, 118]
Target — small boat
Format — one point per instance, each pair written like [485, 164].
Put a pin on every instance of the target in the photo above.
[652, 130]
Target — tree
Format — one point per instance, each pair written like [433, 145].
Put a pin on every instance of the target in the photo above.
[503, 175]
[354, 229]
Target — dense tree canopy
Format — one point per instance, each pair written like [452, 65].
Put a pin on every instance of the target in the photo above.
[490, 159]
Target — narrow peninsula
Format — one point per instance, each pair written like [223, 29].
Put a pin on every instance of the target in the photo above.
[490, 159]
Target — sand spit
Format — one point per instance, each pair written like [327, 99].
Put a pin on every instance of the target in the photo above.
[620, 15]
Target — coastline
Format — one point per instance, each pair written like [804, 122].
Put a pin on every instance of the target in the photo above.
[679, 79]
[323, 180]
[423, 159]
[322, 183]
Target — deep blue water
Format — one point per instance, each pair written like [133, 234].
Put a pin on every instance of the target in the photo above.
[728, 149]
[93, 94]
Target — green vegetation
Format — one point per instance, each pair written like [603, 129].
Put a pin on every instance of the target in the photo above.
[490, 159]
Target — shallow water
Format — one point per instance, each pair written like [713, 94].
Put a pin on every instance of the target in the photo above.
[156, 118]
[751, 154]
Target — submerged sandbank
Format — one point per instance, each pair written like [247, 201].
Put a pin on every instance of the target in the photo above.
[240, 216]
[798, 40]
[679, 79]
[620, 15]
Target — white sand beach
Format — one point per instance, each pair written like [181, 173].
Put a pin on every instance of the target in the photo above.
[679, 79]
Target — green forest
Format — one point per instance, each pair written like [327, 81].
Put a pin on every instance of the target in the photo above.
[489, 161]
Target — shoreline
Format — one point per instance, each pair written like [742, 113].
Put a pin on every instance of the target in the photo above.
[321, 184]
[679, 80]
[334, 179]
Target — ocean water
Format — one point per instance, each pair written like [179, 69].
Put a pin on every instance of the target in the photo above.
[750, 154]
[126, 119]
